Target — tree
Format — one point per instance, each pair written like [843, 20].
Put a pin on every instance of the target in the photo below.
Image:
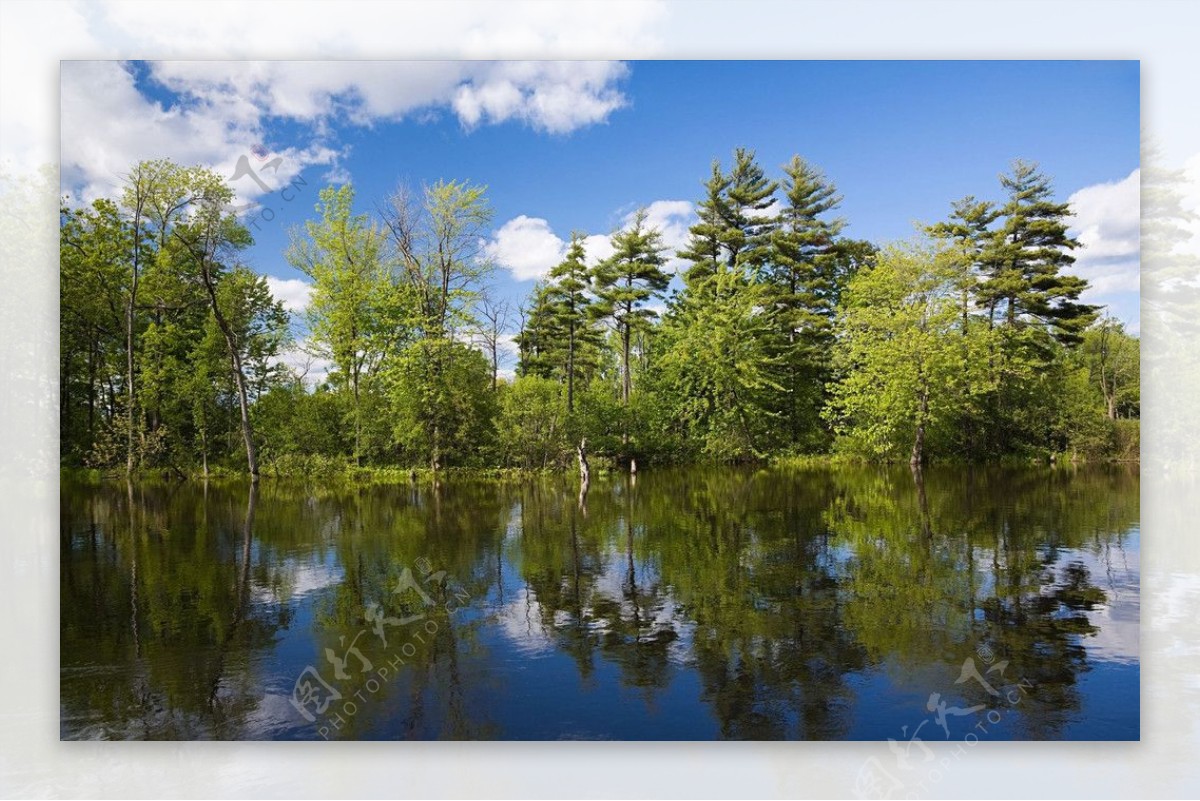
[444, 408]
[93, 244]
[537, 335]
[717, 369]
[735, 219]
[1114, 364]
[707, 240]
[751, 197]
[805, 281]
[1026, 284]
[209, 237]
[438, 242]
[532, 423]
[494, 317]
[358, 315]
[626, 281]
[898, 359]
[569, 309]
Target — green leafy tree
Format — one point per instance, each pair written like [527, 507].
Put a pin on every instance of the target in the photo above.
[446, 396]
[532, 423]
[898, 356]
[569, 308]
[437, 239]
[717, 369]
[359, 314]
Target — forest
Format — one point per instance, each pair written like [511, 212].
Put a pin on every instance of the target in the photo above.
[782, 338]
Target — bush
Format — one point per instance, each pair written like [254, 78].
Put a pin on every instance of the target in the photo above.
[1127, 440]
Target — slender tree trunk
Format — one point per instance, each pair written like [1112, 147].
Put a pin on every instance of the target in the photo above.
[585, 473]
[239, 376]
[918, 449]
[495, 364]
[92, 391]
[129, 393]
[571, 368]
[357, 422]
[130, 309]
[627, 386]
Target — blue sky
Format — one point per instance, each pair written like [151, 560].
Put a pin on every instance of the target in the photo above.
[568, 146]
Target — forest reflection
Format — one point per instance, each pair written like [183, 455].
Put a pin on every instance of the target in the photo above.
[821, 603]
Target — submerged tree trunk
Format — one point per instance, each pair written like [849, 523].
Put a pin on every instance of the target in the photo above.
[585, 473]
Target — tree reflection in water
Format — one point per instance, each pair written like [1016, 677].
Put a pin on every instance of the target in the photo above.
[738, 603]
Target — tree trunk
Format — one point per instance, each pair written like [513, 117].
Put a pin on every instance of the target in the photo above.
[918, 449]
[129, 395]
[238, 376]
[357, 422]
[571, 369]
[627, 386]
[585, 473]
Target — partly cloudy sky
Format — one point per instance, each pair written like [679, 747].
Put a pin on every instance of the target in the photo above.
[566, 146]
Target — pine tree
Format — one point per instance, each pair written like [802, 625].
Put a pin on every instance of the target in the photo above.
[750, 197]
[735, 221]
[708, 237]
[805, 281]
[538, 334]
[1026, 283]
[624, 283]
[969, 228]
[569, 308]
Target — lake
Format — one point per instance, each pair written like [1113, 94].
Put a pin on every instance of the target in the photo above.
[684, 604]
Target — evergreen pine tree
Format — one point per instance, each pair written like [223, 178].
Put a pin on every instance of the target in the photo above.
[569, 316]
[804, 277]
[626, 281]
[1026, 283]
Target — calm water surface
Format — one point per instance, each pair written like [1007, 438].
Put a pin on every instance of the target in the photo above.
[686, 604]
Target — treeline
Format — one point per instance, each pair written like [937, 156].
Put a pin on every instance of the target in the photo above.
[785, 337]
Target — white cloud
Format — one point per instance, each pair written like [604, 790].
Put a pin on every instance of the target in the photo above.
[294, 292]
[529, 248]
[1107, 218]
[108, 125]
[223, 109]
[300, 359]
[672, 218]
[526, 246]
[597, 248]
[1107, 223]
[553, 96]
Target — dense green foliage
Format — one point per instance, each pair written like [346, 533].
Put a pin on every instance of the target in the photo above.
[781, 336]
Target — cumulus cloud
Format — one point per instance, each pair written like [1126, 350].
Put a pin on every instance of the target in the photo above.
[672, 218]
[108, 125]
[217, 112]
[294, 292]
[529, 248]
[526, 246]
[1106, 221]
[301, 361]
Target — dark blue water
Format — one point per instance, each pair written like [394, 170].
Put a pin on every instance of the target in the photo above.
[845, 603]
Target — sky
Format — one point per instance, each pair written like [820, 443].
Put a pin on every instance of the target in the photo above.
[578, 145]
